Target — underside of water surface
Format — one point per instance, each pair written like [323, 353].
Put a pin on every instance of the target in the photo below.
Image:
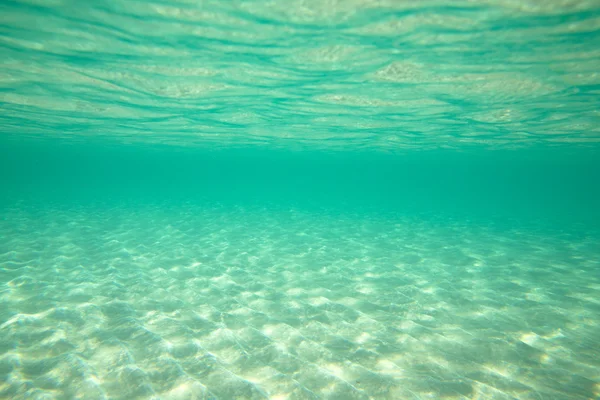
[252, 199]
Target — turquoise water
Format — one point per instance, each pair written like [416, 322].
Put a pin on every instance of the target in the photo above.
[371, 199]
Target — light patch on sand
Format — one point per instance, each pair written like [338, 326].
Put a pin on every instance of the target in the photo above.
[498, 370]
[529, 338]
[336, 370]
[260, 304]
[546, 359]
[269, 330]
[363, 338]
[280, 396]
[243, 311]
[407, 325]
[423, 317]
[348, 301]
[280, 334]
[535, 297]
[365, 289]
[388, 367]
[429, 290]
[260, 375]
[318, 301]
[441, 361]
[593, 298]
[21, 319]
[295, 291]
[555, 334]
[224, 280]
[180, 391]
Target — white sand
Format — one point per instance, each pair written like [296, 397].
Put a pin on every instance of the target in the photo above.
[191, 303]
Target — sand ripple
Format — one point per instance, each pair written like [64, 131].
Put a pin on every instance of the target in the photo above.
[229, 303]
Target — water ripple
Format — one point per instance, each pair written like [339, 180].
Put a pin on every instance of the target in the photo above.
[377, 74]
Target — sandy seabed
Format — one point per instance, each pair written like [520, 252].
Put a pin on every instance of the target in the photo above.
[229, 303]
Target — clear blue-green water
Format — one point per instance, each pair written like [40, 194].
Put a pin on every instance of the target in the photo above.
[355, 199]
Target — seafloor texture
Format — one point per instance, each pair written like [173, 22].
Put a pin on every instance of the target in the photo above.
[193, 303]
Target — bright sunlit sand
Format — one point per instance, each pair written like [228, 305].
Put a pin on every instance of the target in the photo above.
[230, 303]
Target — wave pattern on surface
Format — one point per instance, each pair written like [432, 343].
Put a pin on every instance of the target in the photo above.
[211, 303]
[382, 74]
